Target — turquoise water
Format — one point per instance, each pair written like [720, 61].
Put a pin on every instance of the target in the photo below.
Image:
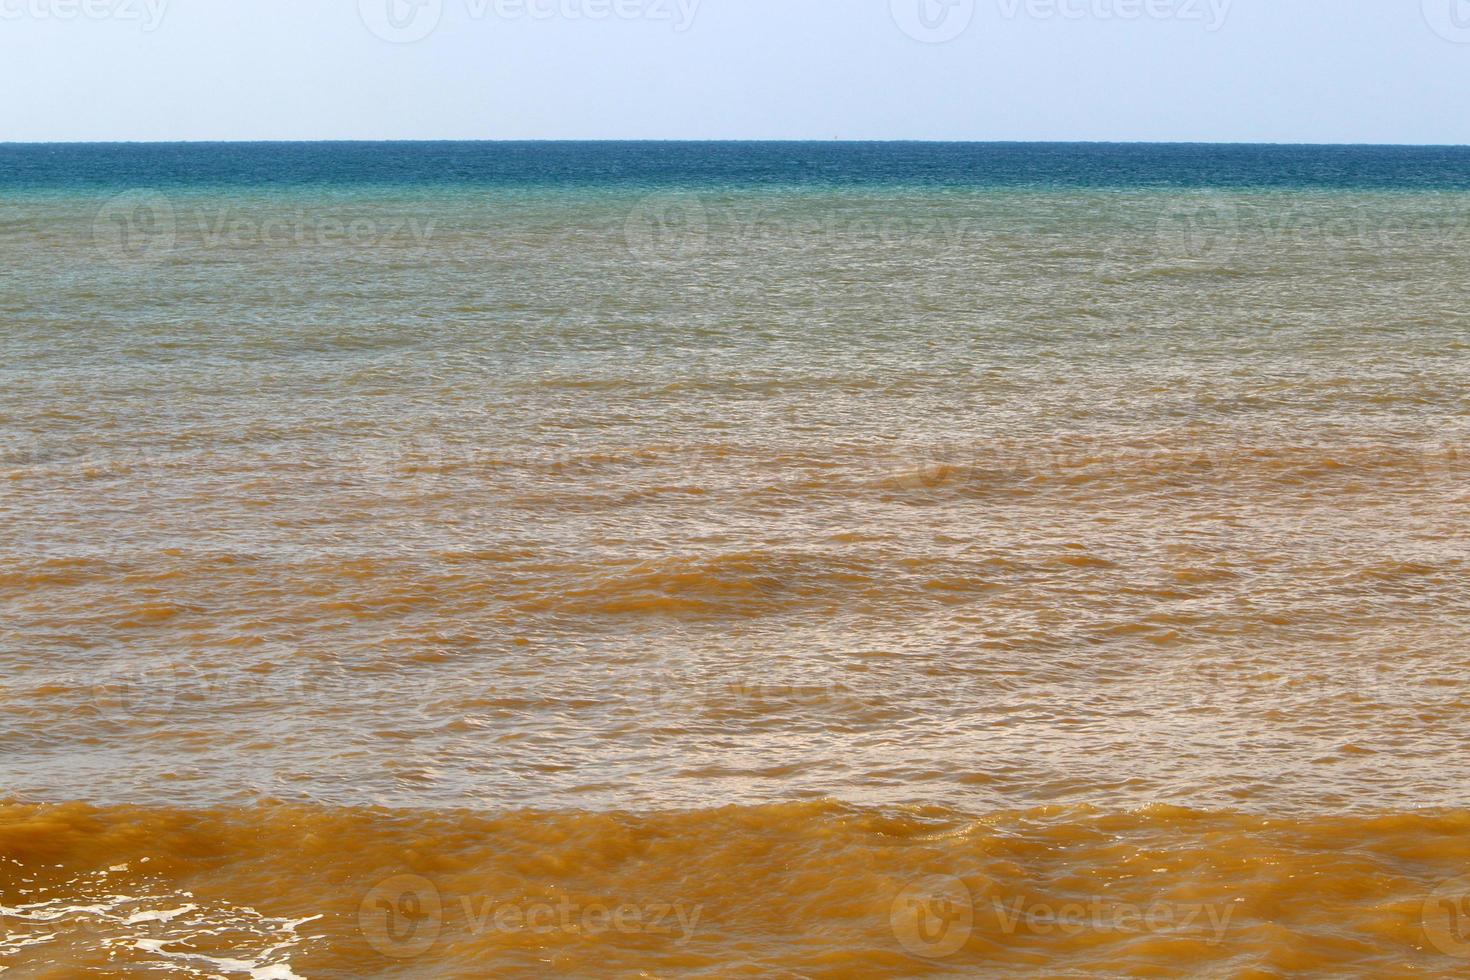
[754, 164]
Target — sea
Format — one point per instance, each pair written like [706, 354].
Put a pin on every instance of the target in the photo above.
[793, 560]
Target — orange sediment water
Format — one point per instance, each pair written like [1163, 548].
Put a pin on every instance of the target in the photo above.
[819, 889]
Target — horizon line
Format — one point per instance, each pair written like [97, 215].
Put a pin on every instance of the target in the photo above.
[967, 142]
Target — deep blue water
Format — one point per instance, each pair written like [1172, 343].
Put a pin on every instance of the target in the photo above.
[640, 164]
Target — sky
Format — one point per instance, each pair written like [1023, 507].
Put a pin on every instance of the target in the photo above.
[1325, 71]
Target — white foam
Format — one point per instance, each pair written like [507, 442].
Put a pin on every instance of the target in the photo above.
[158, 915]
[156, 925]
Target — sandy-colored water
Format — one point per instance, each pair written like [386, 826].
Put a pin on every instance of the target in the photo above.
[842, 576]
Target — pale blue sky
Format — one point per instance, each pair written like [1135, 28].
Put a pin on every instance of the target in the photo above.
[1252, 70]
